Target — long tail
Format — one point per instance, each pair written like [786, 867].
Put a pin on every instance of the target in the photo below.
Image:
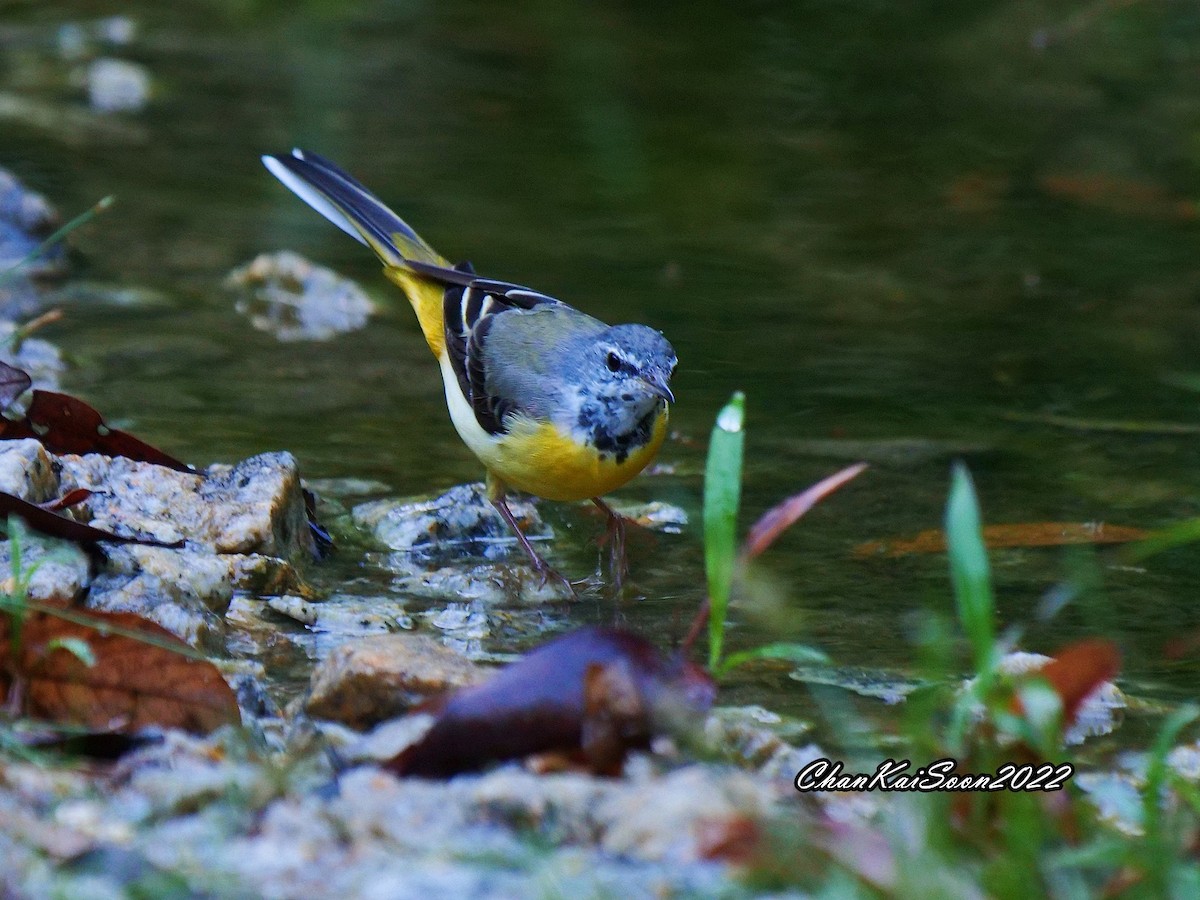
[420, 271]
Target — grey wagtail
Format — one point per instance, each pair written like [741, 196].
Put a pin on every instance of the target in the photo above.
[553, 402]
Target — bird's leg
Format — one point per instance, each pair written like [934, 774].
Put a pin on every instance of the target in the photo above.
[615, 537]
[496, 491]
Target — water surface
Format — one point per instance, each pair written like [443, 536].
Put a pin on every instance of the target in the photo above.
[937, 223]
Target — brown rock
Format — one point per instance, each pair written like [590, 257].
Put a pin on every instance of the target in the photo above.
[368, 680]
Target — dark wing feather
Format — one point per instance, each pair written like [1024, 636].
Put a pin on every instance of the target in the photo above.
[469, 312]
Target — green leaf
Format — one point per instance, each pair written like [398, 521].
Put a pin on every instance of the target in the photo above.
[795, 653]
[1177, 535]
[722, 495]
[1157, 772]
[77, 647]
[969, 570]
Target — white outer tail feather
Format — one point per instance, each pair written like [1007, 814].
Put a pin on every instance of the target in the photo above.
[312, 197]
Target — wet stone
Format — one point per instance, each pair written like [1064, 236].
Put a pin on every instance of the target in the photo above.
[366, 681]
[41, 359]
[26, 219]
[655, 515]
[1100, 712]
[343, 615]
[294, 299]
[258, 507]
[457, 524]
[186, 591]
[489, 584]
[457, 545]
[751, 734]
[253, 507]
[61, 570]
[27, 471]
[117, 85]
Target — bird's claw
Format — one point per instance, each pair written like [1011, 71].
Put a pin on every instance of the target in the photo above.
[545, 572]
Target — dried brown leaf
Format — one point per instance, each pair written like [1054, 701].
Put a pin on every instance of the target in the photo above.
[66, 501]
[1029, 534]
[48, 522]
[1078, 670]
[133, 684]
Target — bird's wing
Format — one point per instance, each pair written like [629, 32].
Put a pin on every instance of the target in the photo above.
[470, 313]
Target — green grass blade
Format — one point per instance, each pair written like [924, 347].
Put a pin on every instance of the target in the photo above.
[801, 654]
[1177, 535]
[722, 495]
[969, 569]
[1157, 841]
[82, 219]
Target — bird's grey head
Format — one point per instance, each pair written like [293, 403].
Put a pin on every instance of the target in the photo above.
[626, 372]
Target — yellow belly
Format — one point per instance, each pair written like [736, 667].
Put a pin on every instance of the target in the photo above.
[539, 459]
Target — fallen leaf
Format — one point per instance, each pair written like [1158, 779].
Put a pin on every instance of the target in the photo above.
[1030, 534]
[1078, 670]
[66, 501]
[13, 383]
[615, 716]
[47, 522]
[734, 839]
[65, 424]
[141, 676]
[609, 685]
[1119, 195]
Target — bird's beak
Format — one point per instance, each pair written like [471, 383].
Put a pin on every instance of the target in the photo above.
[659, 389]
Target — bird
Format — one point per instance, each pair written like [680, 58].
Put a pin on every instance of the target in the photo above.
[552, 401]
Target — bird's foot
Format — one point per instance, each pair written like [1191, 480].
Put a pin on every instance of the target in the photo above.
[614, 537]
[543, 569]
[547, 572]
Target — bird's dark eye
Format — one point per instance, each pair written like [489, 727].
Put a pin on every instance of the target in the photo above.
[614, 362]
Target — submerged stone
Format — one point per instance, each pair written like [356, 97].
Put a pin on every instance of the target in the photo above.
[117, 85]
[457, 545]
[459, 523]
[296, 300]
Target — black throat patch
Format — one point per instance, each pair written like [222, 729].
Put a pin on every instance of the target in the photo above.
[594, 418]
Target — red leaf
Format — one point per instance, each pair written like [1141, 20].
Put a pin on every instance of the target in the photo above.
[1078, 670]
[593, 690]
[783, 515]
[66, 501]
[133, 684]
[735, 839]
[65, 424]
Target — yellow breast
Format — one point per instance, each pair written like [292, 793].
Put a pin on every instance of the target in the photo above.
[540, 459]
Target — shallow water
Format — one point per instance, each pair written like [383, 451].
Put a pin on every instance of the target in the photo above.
[938, 223]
